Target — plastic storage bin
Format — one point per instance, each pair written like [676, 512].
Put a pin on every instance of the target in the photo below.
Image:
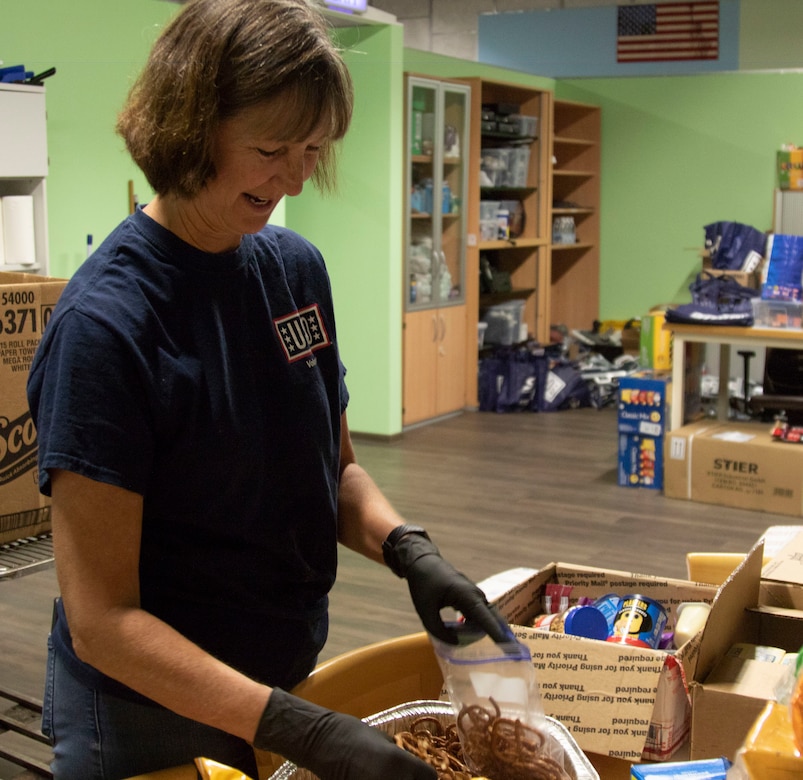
[525, 125]
[504, 322]
[777, 314]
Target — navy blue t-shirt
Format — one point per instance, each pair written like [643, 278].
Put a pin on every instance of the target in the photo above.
[211, 385]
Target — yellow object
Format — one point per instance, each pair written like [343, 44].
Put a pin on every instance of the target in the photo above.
[769, 751]
[212, 770]
[796, 710]
[655, 343]
[712, 567]
[376, 677]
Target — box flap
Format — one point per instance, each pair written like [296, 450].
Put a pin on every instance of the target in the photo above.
[787, 565]
[736, 594]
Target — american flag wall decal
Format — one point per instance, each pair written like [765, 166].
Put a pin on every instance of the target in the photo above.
[663, 32]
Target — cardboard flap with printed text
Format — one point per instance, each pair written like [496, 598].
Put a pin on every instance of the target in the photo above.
[726, 620]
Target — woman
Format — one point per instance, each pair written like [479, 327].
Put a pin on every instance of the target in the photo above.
[191, 411]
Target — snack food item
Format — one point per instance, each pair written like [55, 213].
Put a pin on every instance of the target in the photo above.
[581, 620]
[505, 749]
[640, 621]
[437, 746]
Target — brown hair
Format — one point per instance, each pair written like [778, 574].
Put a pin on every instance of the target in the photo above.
[218, 57]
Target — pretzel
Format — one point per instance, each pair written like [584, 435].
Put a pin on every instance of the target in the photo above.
[503, 748]
[506, 749]
[437, 746]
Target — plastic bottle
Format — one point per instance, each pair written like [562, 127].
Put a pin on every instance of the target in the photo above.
[446, 199]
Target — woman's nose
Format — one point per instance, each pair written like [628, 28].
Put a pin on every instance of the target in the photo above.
[294, 173]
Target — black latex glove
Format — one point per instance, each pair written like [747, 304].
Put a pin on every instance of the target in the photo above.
[435, 584]
[332, 745]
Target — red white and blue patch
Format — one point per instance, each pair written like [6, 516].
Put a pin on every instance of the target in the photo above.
[302, 332]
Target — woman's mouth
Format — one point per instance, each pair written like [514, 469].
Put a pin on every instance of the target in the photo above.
[258, 201]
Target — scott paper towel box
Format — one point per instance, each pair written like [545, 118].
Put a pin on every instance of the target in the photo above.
[26, 303]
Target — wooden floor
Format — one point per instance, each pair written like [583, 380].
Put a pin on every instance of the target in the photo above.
[495, 492]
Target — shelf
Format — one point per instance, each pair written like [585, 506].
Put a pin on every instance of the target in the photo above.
[511, 139]
[573, 141]
[571, 247]
[573, 210]
[426, 159]
[574, 268]
[489, 299]
[501, 191]
[576, 174]
[513, 243]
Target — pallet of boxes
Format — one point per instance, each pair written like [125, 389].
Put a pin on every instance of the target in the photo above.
[26, 303]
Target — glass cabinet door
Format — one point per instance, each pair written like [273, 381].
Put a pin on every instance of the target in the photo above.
[437, 179]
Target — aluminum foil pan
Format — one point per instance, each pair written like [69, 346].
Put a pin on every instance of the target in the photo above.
[401, 717]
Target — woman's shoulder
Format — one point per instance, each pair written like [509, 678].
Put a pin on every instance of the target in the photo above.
[287, 242]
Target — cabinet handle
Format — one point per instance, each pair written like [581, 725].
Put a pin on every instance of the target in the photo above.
[434, 328]
[442, 328]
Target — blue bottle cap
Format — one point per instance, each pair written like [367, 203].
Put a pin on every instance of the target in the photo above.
[586, 621]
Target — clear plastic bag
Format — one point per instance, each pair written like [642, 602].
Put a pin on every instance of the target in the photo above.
[500, 718]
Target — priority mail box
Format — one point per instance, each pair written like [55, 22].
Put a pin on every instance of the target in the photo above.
[26, 302]
[616, 699]
[734, 464]
[725, 707]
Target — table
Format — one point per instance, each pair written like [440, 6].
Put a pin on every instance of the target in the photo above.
[783, 338]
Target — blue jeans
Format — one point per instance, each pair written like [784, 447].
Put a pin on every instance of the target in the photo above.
[100, 736]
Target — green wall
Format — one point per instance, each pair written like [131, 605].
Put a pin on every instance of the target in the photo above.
[359, 230]
[97, 47]
[677, 154]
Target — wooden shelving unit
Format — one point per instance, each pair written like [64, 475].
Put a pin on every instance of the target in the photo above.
[574, 268]
[525, 257]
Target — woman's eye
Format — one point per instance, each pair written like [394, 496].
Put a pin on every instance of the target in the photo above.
[267, 153]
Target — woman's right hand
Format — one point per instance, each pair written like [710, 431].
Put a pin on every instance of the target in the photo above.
[332, 745]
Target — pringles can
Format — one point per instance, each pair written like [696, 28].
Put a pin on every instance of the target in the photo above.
[639, 621]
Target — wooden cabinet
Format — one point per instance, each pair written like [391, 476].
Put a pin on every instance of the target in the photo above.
[23, 160]
[435, 363]
[437, 142]
[574, 268]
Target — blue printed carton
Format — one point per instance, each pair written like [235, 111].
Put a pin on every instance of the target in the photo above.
[644, 403]
[641, 461]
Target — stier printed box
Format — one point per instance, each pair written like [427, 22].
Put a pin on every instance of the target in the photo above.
[26, 302]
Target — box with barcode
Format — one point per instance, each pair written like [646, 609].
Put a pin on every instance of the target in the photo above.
[26, 302]
[735, 464]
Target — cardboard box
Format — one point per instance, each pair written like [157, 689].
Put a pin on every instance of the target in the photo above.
[644, 403]
[734, 464]
[745, 278]
[790, 170]
[782, 576]
[26, 302]
[724, 712]
[641, 461]
[617, 700]
[655, 342]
